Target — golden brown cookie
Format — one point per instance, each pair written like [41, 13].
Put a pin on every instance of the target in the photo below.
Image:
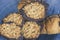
[52, 25]
[10, 30]
[31, 30]
[34, 10]
[14, 17]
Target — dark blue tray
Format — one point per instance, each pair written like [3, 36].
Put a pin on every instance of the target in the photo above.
[9, 6]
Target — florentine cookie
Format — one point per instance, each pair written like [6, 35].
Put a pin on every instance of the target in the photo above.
[31, 30]
[34, 10]
[14, 17]
[10, 30]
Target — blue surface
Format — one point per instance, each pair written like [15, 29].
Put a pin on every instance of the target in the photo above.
[8, 6]
[54, 7]
[2, 38]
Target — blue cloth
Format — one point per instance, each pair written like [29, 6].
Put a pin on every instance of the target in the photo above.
[2, 38]
[8, 6]
[54, 7]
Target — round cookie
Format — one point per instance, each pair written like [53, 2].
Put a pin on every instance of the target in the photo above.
[34, 10]
[52, 25]
[31, 30]
[14, 17]
[10, 30]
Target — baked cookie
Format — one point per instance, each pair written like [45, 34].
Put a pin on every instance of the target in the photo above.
[10, 30]
[14, 17]
[52, 24]
[31, 30]
[34, 10]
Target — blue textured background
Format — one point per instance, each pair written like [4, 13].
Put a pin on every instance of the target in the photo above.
[8, 6]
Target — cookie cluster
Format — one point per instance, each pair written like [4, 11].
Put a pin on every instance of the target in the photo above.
[10, 27]
[17, 24]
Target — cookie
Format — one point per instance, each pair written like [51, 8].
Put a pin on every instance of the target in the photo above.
[10, 30]
[52, 24]
[34, 10]
[31, 30]
[14, 17]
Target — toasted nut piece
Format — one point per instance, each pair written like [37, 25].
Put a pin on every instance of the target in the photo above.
[22, 3]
